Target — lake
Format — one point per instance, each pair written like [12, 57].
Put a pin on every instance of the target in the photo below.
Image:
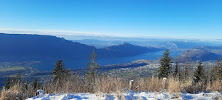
[82, 63]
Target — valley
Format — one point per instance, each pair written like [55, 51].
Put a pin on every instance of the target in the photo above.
[36, 55]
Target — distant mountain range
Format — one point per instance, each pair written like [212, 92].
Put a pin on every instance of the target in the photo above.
[125, 49]
[23, 47]
[158, 43]
[98, 43]
[213, 49]
[185, 44]
[199, 54]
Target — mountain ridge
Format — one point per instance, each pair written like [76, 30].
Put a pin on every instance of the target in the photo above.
[199, 54]
[26, 47]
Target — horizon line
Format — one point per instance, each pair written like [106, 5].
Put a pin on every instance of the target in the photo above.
[66, 34]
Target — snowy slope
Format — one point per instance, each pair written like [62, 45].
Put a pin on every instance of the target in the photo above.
[129, 96]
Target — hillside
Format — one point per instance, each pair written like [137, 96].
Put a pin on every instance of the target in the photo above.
[213, 49]
[185, 44]
[36, 47]
[200, 54]
[48, 49]
[125, 50]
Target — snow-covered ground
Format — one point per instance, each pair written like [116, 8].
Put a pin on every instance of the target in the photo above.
[129, 96]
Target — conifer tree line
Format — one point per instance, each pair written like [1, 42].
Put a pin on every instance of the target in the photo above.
[60, 74]
[199, 74]
[17, 80]
[12, 81]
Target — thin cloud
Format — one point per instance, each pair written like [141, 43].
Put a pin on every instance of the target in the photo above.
[86, 35]
[61, 33]
[73, 34]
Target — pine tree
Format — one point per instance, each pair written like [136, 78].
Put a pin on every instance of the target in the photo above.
[58, 71]
[165, 67]
[35, 83]
[199, 73]
[68, 74]
[214, 72]
[186, 69]
[93, 65]
[210, 74]
[176, 72]
[219, 69]
[27, 85]
[7, 83]
[18, 78]
[219, 63]
[76, 79]
[185, 73]
[92, 69]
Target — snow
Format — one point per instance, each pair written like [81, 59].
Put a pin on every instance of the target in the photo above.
[129, 96]
[40, 91]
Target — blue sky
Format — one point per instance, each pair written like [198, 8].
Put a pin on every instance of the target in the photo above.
[200, 19]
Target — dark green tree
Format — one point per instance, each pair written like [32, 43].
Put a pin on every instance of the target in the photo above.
[8, 83]
[214, 72]
[35, 83]
[176, 72]
[59, 71]
[219, 69]
[165, 67]
[210, 74]
[92, 69]
[68, 74]
[185, 72]
[219, 63]
[27, 84]
[18, 78]
[199, 73]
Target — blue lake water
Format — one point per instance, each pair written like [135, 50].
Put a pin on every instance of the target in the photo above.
[149, 56]
[82, 63]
